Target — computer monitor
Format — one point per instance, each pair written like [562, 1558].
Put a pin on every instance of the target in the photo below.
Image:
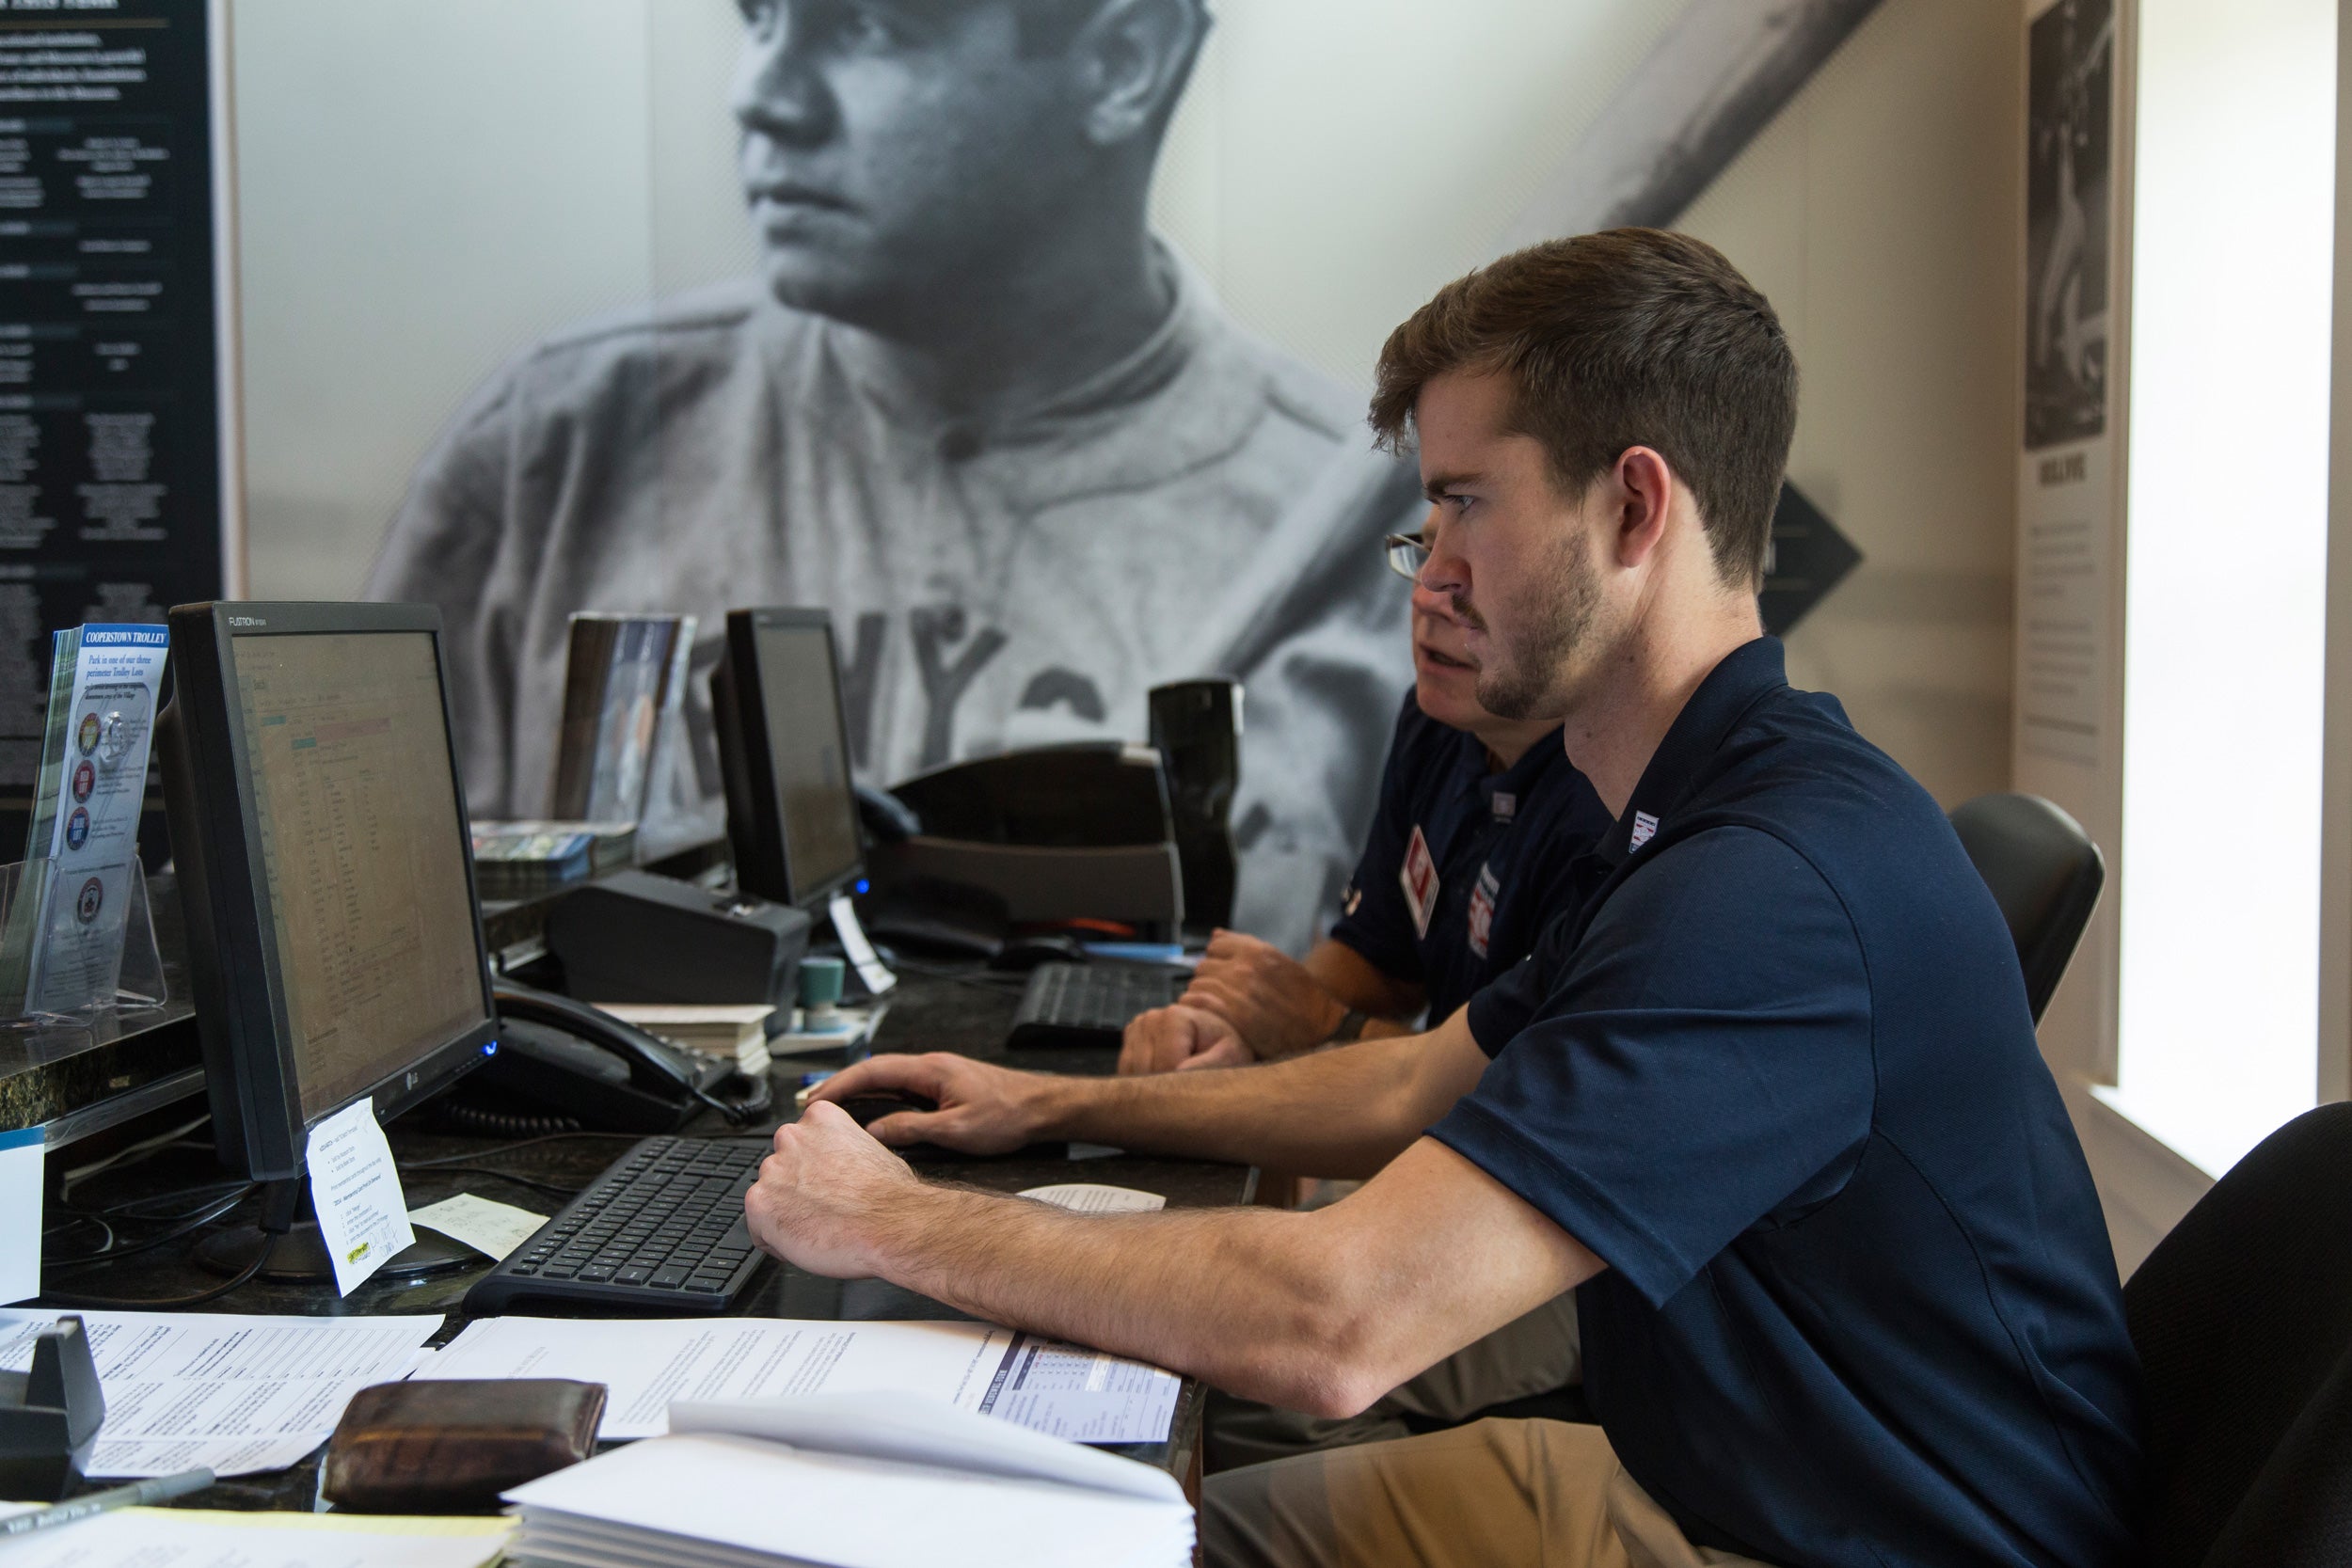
[319, 829]
[785, 754]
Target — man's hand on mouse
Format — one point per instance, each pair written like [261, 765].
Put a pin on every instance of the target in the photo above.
[1174, 1038]
[1274, 1006]
[982, 1109]
[822, 1194]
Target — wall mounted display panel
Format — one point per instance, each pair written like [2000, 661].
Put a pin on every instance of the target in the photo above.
[113, 461]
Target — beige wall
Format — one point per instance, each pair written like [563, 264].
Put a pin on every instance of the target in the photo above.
[1880, 212]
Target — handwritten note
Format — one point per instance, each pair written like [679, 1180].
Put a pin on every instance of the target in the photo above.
[494, 1228]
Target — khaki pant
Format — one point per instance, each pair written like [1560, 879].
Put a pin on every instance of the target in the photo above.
[1531, 1354]
[1494, 1494]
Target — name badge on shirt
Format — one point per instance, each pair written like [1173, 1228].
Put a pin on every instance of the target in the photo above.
[1482, 909]
[1418, 877]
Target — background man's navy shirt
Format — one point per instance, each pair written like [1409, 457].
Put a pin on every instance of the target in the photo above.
[1779, 1073]
[1503, 844]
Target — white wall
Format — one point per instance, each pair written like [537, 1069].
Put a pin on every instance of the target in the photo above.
[2225, 584]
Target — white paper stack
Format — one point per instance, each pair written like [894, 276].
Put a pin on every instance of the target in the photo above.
[852, 1481]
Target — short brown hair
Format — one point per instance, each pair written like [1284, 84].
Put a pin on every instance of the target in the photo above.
[1633, 338]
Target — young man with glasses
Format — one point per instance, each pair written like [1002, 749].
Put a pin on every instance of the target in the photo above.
[1480, 824]
[1768, 1099]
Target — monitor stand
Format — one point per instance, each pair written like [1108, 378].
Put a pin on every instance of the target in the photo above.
[297, 1254]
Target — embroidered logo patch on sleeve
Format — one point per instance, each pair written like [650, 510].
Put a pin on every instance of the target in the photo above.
[1482, 910]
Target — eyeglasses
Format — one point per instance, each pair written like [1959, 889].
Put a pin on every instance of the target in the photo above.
[1407, 554]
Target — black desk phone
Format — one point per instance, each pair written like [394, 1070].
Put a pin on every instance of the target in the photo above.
[561, 1064]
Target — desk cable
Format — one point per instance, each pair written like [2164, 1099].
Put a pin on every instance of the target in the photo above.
[468, 1163]
[995, 982]
[279, 1202]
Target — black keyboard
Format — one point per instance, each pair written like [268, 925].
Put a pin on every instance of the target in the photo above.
[661, 1230]
[1089, 1004]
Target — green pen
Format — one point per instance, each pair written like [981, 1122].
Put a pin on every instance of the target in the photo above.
[138, 1494]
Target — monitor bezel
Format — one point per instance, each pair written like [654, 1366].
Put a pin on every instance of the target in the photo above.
[240, 994]
[743, 693]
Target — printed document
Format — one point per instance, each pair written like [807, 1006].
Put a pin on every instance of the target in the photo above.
[1063, 1390]
[854, 1481]
[201, 1538]
[237, 1393]
[859, 949]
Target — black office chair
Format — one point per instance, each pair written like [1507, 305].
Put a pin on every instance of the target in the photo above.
[2243, 1318]
[2044, 873]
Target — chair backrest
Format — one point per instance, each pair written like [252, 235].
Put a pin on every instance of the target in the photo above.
[2243, 1320]
[2044, 873]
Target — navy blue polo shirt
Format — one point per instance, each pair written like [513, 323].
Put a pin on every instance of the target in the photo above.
[1498, 850]
[1778, 1071]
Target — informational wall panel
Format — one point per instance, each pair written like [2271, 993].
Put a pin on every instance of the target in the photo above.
[111, 419]
[2070, 451]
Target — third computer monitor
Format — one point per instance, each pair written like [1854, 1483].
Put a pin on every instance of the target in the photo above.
[791, 809]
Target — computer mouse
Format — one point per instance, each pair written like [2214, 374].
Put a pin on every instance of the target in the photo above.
[1023, 954]
[867, 1109]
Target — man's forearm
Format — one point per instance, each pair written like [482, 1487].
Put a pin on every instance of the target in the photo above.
[1356, 983]
[1322, 1312]
[1238, 1297]
[1337, 1113]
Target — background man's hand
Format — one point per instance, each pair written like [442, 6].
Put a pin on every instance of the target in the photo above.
[983, 1109]
[822, 1193]
[1268, 996]
[1170, 1039]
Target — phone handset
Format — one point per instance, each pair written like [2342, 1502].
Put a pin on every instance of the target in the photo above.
[654, 1066]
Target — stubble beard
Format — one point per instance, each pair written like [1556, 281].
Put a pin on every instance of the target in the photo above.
[1521, 682]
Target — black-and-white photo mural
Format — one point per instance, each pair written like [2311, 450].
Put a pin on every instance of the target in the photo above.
[970, 394]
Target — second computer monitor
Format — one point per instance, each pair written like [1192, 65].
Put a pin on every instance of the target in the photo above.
[791, 809]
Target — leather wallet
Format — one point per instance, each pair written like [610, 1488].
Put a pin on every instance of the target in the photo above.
[450, 1445]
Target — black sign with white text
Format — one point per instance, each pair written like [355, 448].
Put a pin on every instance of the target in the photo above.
[109, 402]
